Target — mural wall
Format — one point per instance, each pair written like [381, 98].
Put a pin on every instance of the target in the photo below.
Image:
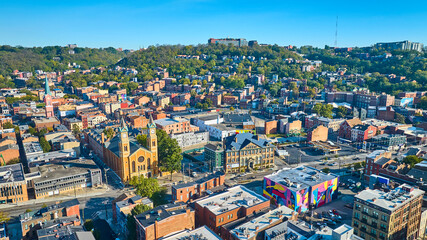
[298, 201]
[324, 193]
[317, 195]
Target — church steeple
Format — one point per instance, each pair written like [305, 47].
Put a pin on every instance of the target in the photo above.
[46, 87]
[124, 147]
[152, 137]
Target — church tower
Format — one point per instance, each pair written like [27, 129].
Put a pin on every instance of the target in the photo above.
[48, 100]
[124, 147]
[152, 137]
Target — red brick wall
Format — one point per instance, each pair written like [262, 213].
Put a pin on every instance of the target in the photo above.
[74, 210]
[270, 127]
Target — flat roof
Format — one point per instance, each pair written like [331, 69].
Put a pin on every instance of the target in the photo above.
[249, 229]
[61, 169]
[11, 173]
[300, 177]
[202, 232]
[162, 212]
[169, 121]
[232, 198]
[390, 200]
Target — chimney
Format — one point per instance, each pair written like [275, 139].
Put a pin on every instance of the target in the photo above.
[147, 216]
[270, 221]
[159, 211]
[257, 228]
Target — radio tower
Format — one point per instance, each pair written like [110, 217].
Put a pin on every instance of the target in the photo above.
[336, 33]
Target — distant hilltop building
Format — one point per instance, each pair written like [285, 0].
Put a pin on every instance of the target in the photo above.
[72, 45]
[238, 42]
[404, 45]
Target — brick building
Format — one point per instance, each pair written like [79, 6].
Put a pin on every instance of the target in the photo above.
[319, 133]
[185, 192]
[346, 126]
[46, 123]
[31, 221]
[164, 220]
[270, 127]
[235, 203]
[376, 160]
[386, 113]
[175, 125]
[293, 127]
[360, 133]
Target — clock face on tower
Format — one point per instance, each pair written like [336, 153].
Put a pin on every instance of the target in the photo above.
[124, 135]
[152, 131]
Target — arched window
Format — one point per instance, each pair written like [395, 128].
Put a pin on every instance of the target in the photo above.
[148, 164]
[143, 167]
[154, 143]
[133, 167]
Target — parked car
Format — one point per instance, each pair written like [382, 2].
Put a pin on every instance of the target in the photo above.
[349, 205]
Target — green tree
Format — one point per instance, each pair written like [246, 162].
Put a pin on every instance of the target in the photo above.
[423, 103]
[411, 160]
[4, 217]
[399, 118]
[131, 224]
[109, 133]
[341, 111]
[76, 129]
[45, 144]
[145, 187]
[142, 139]
[317, 108]
[169, 152]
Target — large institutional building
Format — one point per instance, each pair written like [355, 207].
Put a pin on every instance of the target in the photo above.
[124, 154]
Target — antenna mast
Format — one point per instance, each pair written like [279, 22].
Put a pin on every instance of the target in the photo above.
[336, 33]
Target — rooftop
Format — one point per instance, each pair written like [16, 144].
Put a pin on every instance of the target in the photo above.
[201, 233]
[61, 169]
[300, 177]
[11, 173]
[232, 198]
[249, 229]
[162, 212]
[169, 121]
[390, 200]
[241, 140]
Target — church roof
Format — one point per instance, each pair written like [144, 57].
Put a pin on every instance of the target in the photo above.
[113, 145]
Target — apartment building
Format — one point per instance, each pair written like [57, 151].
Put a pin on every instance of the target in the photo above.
[185, 192]
[164, 220]
[235, 203]
[175, 125]
[393, 215]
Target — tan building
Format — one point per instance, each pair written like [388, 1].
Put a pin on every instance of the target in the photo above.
[246, 151]
[73, 123]
[13, 185]
[319, 133]
[124, 154]
[293, 127]
[393, 215]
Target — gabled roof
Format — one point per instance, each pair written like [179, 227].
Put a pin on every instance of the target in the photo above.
[241, 140]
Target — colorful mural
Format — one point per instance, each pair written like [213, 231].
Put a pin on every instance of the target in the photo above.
[324, 192]
[317, 195]
[299, 201]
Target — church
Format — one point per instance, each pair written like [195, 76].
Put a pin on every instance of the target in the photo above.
[123, 154]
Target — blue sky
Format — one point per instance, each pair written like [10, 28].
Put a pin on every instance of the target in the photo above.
[140, 23]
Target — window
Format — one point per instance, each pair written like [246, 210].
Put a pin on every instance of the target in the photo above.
[126, 147]
[133, 167]
[384, 218]
[356, 215]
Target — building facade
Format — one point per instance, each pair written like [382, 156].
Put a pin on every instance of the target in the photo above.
[246, 151]
[390, 215]
[298, 188]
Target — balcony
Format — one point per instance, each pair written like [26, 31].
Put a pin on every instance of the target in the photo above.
[363, 230]
[364, 220]
[383, 229]
[374, 225]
